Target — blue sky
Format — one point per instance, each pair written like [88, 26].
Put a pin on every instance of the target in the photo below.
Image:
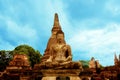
[91, 27]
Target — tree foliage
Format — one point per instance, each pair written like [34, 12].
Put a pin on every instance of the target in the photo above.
[85, 64]
[33, 55]
[5, 57]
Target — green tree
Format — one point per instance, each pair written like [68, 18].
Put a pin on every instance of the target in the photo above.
[5, 57]
[85, 63]
[33, 55]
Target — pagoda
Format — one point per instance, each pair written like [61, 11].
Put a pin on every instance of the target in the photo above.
[57, 63]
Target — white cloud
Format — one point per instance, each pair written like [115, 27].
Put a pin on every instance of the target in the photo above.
[22, 31]
[98, 43]
[113, 7]
[5, 45]
[24, 34]
[59, 7]
[17, 33]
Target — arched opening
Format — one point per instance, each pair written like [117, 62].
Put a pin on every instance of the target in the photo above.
[85, 79]
[63, 78]
[67, 78]
[58, 78]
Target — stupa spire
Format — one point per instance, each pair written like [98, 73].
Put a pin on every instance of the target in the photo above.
[56, 26]
[116, 61]
[119, 57]
[115, 56]
[52, 40]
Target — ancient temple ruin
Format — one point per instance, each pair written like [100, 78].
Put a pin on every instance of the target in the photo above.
[20, 60]
[116, 60]
[52, 40]
[19, 68]
[57, 59]
[57, 64]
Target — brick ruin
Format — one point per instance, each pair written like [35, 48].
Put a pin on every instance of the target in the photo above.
[51, 68]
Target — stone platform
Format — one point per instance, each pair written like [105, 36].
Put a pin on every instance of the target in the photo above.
[59, 74]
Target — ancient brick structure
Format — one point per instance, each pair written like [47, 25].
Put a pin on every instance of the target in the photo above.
[20, 60]
[57, 59]
[116, 60]
[57, 64]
